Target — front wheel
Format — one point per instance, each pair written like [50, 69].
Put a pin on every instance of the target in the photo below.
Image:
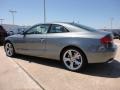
[73, 59]
[9, 49]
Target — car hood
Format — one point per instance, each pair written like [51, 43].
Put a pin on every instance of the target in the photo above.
[13, 36]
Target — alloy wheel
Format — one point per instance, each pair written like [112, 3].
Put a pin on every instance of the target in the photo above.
[9, 49]
[72, 59]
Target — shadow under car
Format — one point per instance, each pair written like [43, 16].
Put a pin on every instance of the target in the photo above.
[109, 70]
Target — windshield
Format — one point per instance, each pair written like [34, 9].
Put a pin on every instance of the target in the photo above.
[83, 27]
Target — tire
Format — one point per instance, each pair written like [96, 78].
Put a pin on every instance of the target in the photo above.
[73, 59]
[9, 49]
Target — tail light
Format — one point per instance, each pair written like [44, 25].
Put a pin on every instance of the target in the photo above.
[106, 40]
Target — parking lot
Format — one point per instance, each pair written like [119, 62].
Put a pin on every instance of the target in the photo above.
[31, 73]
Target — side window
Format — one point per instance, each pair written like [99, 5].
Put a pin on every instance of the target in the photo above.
[39, 29]
[57, 29]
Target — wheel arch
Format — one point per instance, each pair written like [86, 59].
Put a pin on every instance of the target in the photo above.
[72, 46]
[9, 42]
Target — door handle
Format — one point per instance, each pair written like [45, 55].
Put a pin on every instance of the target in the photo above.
[42, 39]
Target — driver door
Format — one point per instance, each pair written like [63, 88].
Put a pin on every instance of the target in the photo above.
[35, 40]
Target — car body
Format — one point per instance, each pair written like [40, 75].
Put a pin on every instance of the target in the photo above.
[116, 34]
[3, 34]
[55, 40]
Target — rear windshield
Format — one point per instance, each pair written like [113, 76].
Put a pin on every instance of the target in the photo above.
[83, 27]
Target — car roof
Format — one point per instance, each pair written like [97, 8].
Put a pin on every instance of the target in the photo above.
[70, 27]
[61, 23]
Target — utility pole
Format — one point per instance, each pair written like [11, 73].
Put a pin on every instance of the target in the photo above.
[44, 11]
[1, 20]
[12, 12]
[111, 22]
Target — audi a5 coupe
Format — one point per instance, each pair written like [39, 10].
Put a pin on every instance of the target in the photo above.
[74, 44]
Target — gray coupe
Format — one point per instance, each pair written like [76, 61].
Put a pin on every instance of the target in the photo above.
[74, 44]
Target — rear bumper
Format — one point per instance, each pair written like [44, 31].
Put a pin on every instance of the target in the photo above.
[102, 56]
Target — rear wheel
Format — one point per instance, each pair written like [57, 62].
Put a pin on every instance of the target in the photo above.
[73, 59]
[9, 49]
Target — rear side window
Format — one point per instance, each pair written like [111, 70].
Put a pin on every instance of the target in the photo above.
[57, 29]
[83, 27]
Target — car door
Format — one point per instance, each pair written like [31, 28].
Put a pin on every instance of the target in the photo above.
[35, 40]
[54, 38]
